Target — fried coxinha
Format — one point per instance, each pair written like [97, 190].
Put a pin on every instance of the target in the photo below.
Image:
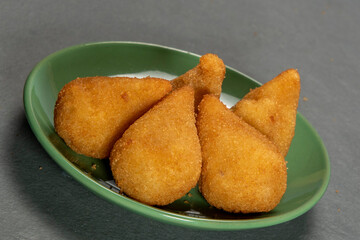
[206, 78]
[272, 107]
[157, 155]
[92, 113]
[243, 171]
[158, 158]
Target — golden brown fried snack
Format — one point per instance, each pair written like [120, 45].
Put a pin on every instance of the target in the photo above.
[272, 108]
[205, 78]
[158, 159]
[242, 171]
[92, 113]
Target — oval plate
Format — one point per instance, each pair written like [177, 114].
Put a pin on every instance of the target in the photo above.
[308, 162]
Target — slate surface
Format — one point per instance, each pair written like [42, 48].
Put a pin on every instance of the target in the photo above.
[259, 38]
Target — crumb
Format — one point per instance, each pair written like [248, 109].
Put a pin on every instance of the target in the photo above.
[189, 195]
[93, 166]
[186, 202]
[125, 96]
[337, 191]
[40, 168]
[272, 118]
[305, 99]
[338, 209]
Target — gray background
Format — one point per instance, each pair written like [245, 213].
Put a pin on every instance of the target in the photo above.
[258, 38]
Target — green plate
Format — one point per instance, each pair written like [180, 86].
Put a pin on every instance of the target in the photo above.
[308, 162]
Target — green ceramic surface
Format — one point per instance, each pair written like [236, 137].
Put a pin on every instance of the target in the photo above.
[308, 162]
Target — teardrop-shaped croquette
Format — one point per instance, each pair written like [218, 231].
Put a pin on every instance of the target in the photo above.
[205, 78]
[272, 107]
[242, 170]
[158, 159]
[92, 113]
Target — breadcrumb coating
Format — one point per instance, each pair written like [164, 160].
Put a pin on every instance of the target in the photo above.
[205, 78]
[272, 107]
[158, 159]
[242, 170]
[92, 113]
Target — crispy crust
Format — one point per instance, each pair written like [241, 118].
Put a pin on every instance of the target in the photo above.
[242, 171]
[92, 113]
[158, 159]
[272, 108]
[205, 78]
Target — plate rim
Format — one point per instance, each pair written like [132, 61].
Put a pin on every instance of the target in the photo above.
[143, 209]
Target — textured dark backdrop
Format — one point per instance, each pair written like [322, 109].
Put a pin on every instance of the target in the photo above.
[259, 38]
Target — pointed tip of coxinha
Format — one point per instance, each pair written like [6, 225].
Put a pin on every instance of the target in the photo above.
[243, 171]
[205, 78]
[284, 85]
[158, 158]
[272, 108]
